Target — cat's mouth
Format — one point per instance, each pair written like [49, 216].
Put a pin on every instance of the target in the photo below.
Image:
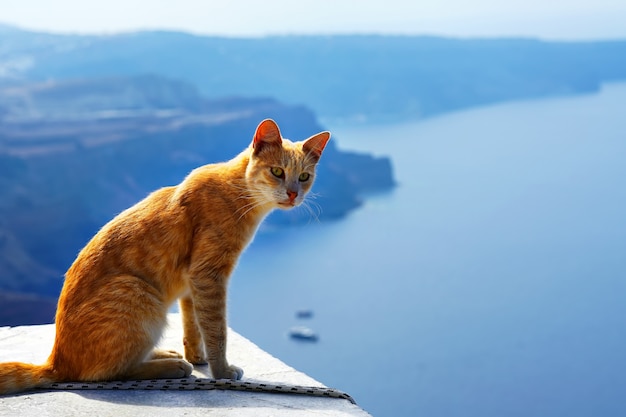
[287, 204]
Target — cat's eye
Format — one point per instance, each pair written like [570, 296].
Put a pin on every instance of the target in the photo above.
[304, 176]
[278, 172]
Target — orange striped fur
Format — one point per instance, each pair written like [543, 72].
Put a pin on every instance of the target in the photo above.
[180, 243]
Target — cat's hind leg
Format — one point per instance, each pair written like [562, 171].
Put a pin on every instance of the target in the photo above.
[160, 369]
[110, 332]
[165, 354]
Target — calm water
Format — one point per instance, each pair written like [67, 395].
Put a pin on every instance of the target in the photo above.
[491, 282]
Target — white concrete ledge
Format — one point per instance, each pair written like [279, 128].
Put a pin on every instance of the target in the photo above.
[33, 344]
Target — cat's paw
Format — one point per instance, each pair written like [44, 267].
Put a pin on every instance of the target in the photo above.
[237, 372]
[231, 372]
[198, 360]
[195, 354]
[165, 354]
[184, 369]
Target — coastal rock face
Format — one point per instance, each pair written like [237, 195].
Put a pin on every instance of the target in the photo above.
[75, 153]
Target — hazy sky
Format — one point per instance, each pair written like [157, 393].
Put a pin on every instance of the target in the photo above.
[548, 19]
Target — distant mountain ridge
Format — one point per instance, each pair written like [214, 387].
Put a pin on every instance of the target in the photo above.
[364, 78]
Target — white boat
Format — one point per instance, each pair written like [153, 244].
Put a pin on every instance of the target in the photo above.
[303, 333]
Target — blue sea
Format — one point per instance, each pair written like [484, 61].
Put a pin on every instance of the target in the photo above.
[490, 282]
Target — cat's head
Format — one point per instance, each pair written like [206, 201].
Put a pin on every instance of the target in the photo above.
[281, 172]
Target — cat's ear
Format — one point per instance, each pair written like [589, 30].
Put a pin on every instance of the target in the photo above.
[267, 134]
[316, 144]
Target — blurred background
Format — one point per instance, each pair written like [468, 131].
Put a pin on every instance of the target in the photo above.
[464, 251]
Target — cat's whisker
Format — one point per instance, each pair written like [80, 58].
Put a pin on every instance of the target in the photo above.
[247, 208]
[243, 187]
[311, 195]
[251, 196]
[308, 206]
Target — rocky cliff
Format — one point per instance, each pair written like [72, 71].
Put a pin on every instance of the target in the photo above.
[75, 153]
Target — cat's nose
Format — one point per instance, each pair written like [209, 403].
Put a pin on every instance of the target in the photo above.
[292, 195]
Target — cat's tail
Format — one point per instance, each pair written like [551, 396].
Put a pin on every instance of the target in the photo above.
[17, 377]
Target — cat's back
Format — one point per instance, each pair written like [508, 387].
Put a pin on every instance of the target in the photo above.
[153, 213]
[157, 233]
[142, 229]
[160, 225]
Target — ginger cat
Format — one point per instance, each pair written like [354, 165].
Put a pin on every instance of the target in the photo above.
[181, 243]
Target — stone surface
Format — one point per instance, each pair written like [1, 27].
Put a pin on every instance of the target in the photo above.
[33, 344]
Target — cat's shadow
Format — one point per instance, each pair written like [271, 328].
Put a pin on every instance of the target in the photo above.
[178, 401]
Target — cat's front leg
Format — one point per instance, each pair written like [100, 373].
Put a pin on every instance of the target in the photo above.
[209, 301]
[192, 339]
